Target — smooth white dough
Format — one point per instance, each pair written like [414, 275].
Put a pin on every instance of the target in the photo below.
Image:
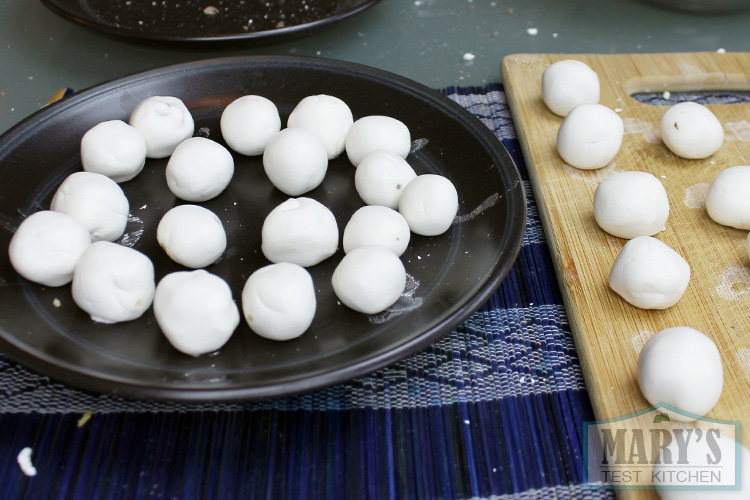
[96, 201]
[429, 204]
[115, 149]
[630, 204]
[568, 83]
[649, 274]
[728, 198]
[248, 123]
[690, 130]
[328, 117]
[590, 136]
[377, 225]
[375, 132]
[278, 301]
[381, 177]
[164, 122]
[46, 247]
[369, 279]
[113, 283]
[195, 311]
[199, 169]
[302, 231]
[681, 367]
[295, 161]
[192, 236]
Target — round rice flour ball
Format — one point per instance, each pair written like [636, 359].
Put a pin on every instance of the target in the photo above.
[630, 204]
[568, 83]
[164, 122]
[681, 367]
[690, 130]
[115, 149]
[199, 169]
[369, 279]
[46, 247]
[278, 301]
[590, 136]
[376, 225]
[328, 117]
[374, 133]
[295, 161]
[429, 204]
[381, 177]
[96, 201]
[113, 283]
[728, 198]
[301, 231]
[248, 123]
[192, 236]
[195, 311]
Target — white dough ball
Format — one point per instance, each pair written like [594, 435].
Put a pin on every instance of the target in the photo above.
[192, 236]
[328, 117]
[590, 136]
[46, 247]
[248, 123]
[115, 149]
[278, 301]
[690, 130]
[376, 132]
[369, 279]
[164, 122]
[681, 367]
[376, 225]
[199, 169]
[630, 204]
[568, 83]
[429, 204]
[295, 161]
[381, 177]
[96, 201]
[301, 231]
[728, 198]
[195, 311]
[113, 283]
[649, 274]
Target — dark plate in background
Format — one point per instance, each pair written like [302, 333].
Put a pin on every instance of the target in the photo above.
[455, 272]
[206, 20]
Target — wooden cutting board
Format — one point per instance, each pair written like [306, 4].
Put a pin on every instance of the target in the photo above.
[608, 331]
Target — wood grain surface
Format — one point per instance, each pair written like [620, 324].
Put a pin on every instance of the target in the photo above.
[608, 331]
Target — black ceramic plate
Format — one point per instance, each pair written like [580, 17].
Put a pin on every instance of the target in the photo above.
[206, 20]
[452, 274]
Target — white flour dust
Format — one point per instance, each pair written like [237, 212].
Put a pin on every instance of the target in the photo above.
[695, 195]
[591, 177]
[407, 302]
[734, 283]
[640, 340]
[487, 203]
[635, 126]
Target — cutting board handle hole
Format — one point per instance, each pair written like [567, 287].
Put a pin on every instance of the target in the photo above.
[670, 98]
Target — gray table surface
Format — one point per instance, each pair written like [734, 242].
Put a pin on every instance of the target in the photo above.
[424, 40]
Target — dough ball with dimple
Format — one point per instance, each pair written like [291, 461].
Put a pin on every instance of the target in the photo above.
[690, 130]
[681, 367]
[115, 149]
[630, 204]
[728, 198]
[374, 133]
[96, 201]
[649, 274]
[195, 311]
[377, 225]
[302, 231]
[429, 204]
[295, 161]
[328, 117]
[381, 178]
[46, 247]
[248, 123]
[192, 236]
[199, 169]
[113, 283]
[278, 301]
[568, 83]
[590, 136]
[369, 279]
[164, 122]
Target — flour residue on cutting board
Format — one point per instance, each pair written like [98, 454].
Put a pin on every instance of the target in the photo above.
[591, 177]
[743, 357]
[734, 283]
[695, 195]
[740, 130]
[636, 126]
[640, 340]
